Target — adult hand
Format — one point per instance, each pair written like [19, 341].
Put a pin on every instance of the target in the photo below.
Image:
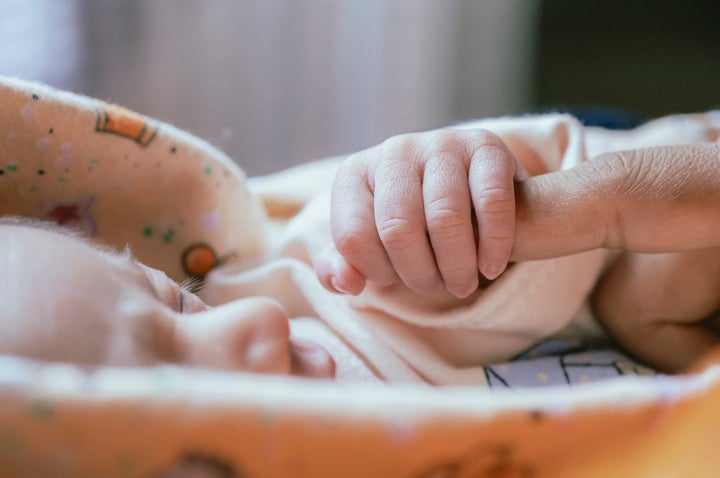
[660, 299]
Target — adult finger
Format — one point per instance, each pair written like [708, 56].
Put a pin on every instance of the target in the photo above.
[662, 199]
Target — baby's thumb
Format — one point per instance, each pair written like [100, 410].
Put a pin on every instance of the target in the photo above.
[336, 274]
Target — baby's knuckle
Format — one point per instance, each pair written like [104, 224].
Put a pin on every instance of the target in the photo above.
[445, 143]
[353, 163]
[397, 143]
[486, 137]
[446, 221]
[460, 271]
[501, 241]
[482, 138]
[441, 137]
[397, 233]
[353, 242]
[428, 284]
[495, 200]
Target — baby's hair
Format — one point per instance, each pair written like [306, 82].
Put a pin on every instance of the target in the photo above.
[52, 227]
[192, 284]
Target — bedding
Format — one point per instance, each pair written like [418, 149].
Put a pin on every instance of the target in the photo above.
[411, 396]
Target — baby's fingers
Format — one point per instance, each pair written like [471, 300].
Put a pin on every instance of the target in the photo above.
[491, 178]
[352, 221]
[336, 274]
[448, 214]
[401, 225]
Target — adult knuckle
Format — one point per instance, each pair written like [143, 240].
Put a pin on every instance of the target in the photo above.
[618, 173]
[615, 179]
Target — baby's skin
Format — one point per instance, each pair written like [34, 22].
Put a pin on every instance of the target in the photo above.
[446, 209]
[408, 210]
[69, 300]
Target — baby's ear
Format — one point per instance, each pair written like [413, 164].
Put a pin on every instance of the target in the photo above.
[123, 178]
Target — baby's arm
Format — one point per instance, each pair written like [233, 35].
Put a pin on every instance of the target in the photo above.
[405, 211]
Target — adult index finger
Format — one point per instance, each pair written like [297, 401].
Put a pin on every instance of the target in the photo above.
[663, 199]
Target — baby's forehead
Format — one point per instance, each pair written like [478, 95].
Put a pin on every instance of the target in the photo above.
[29, 232]
[57, 272]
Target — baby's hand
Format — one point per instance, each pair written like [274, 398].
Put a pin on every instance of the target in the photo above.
[404, 211]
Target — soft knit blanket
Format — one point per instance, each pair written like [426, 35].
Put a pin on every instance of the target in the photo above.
[187, 209]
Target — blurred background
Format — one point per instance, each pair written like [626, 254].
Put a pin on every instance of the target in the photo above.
[274, 83]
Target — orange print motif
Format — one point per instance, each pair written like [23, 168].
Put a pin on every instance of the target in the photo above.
[199, 259]
[123, 122]
[73, 213]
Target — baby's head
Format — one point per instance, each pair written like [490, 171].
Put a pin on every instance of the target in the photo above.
[67, 299]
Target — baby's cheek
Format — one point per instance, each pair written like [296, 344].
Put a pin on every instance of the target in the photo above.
[144, 340]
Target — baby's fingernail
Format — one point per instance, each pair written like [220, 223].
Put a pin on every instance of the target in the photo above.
[464, 289]
[336, 284]
[493, 270]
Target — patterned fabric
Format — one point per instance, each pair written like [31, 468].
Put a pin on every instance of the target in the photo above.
[559, 361]
[124, 179]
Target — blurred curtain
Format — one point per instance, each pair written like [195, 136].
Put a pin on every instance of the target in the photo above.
[278, 82]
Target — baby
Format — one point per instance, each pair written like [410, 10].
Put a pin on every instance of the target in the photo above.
[93, 305]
